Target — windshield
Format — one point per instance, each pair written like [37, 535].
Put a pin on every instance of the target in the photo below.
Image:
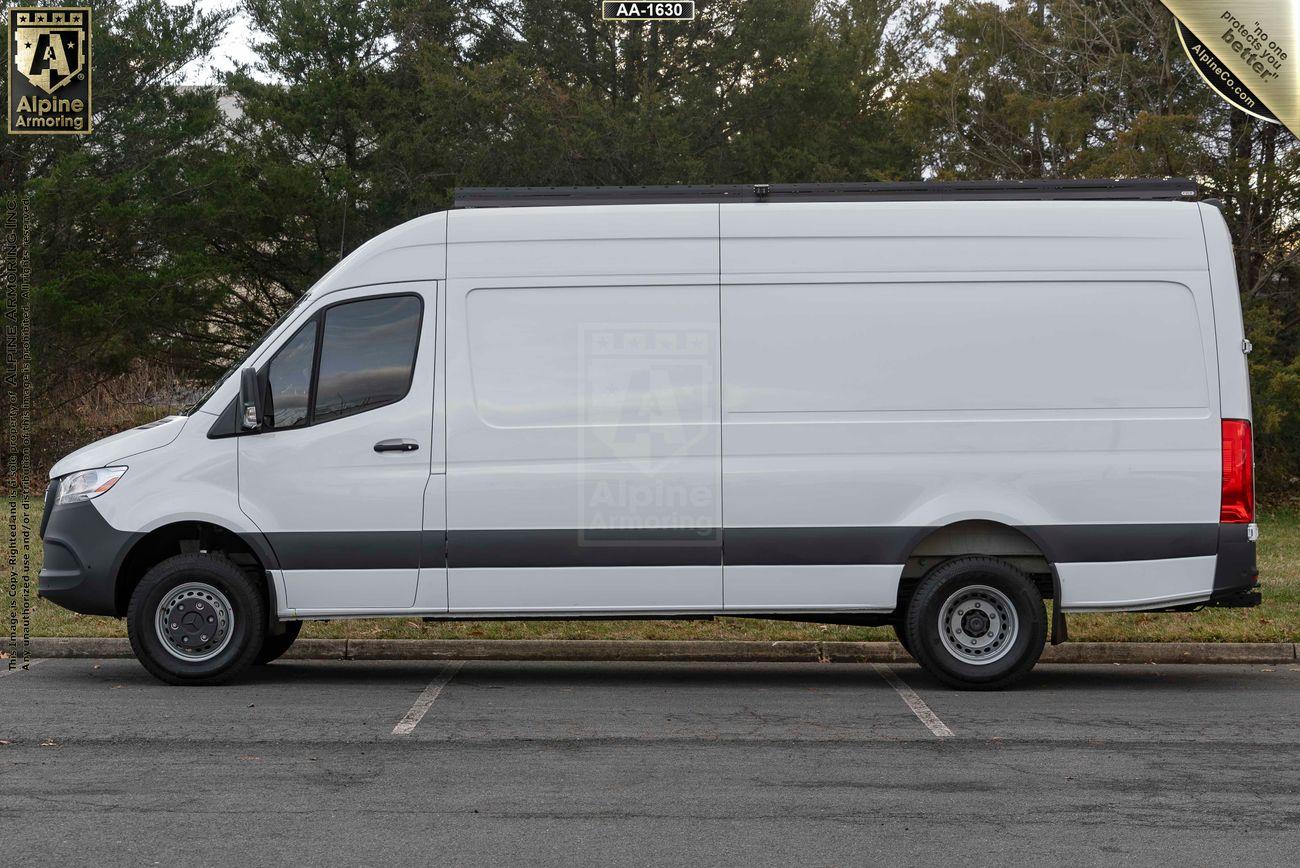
[243, 358]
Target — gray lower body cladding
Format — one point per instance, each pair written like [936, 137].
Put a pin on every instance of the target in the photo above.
[84, 554]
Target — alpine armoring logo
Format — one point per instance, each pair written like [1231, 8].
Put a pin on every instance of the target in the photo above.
[49, 71]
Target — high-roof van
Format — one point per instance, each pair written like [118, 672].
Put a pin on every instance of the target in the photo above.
[936, 407]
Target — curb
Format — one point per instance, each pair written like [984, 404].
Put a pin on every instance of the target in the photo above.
[700, 651]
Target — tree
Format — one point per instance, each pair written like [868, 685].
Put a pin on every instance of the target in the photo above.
[318, 125]
[120, 216]
[753, 90]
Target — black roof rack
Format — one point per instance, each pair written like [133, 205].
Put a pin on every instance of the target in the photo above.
[887, 191]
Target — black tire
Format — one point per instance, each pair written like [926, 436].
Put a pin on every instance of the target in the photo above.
[275, 644]
[1010, 645]
[900, 631]
[241, 641]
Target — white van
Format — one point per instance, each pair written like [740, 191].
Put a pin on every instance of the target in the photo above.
[933, 406]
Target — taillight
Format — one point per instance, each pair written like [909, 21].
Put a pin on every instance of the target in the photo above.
[1237, 503]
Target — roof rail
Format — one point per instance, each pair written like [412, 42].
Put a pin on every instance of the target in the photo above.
[886, 191]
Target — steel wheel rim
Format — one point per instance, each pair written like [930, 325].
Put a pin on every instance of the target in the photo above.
[195, 622]
[978, 624]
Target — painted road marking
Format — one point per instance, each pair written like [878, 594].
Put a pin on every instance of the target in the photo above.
[7, 671]
[408, 723]
[914, 702]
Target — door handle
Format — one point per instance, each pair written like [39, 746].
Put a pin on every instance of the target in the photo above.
[396, 445]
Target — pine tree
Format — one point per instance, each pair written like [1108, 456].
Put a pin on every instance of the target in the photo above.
[120, 216]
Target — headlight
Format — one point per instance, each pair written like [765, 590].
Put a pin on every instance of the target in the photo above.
[88, 484]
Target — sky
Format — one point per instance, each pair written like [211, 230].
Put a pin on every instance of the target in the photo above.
[233, 49]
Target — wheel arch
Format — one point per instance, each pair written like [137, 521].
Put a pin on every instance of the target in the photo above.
[987, 537]
[248, 550]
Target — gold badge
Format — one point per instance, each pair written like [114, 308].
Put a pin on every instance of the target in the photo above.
[49, 71]
[1247, 51]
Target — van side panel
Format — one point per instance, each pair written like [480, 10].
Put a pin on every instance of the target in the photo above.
[1090, 348]
[893, 369]
[583, 420]
[960, 238]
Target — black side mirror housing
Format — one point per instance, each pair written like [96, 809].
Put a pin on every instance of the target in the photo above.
[250, 400]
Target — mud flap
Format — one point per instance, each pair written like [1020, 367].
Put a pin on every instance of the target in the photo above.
[1059, 632]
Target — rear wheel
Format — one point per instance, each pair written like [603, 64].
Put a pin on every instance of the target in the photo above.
[977, 623]
[196, 619]
[275, 644]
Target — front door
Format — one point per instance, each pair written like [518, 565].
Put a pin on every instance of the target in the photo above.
[336, 476]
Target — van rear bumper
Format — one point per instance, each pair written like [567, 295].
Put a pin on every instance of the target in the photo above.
[1238, 598]
[1236, 575]
[83, 554]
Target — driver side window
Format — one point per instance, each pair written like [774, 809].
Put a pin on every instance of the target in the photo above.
[365, 360]
[288, 380]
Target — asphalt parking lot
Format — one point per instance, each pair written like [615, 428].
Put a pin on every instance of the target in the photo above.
[345, 763]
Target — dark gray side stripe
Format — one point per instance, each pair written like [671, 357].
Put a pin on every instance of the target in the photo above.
[1079, 543]
[691, 547]
[347, 550]
[761, 546]
[653, 547]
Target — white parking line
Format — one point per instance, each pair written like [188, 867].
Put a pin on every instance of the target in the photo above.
[7, 671]
[914, 702]
[408, 723]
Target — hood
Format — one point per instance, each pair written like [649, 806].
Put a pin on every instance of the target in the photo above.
[117, 448]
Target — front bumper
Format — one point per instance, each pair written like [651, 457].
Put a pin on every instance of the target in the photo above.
[83, 555]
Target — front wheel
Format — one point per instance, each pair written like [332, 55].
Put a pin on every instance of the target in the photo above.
[196, 619]
[977, 623]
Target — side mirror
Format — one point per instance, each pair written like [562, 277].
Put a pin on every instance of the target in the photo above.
[250, 400]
